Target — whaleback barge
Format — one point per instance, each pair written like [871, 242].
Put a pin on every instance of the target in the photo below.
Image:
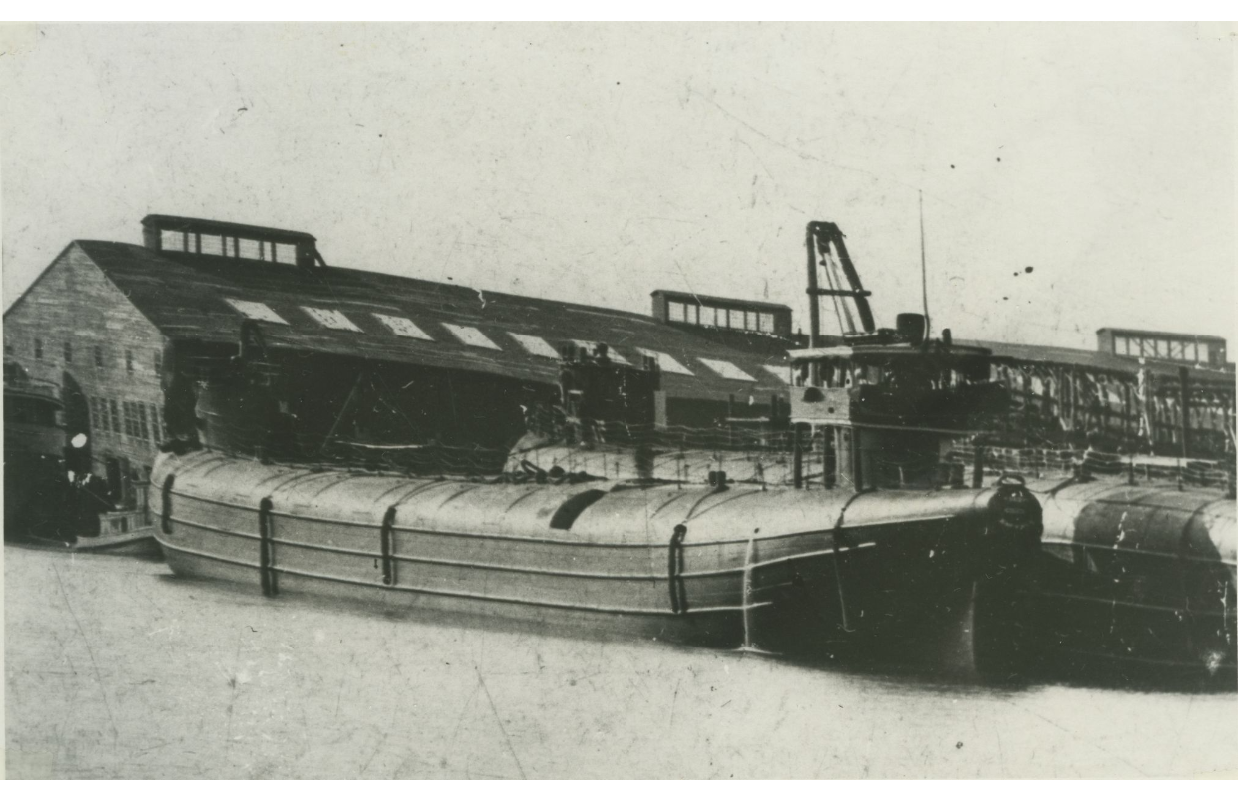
[842, 518]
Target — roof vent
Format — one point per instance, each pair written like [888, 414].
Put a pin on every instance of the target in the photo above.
[229, 240]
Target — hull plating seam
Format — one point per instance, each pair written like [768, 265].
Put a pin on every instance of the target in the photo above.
[469, 595]
[1133, 551]
[1130, 604]
[574, 543]
[528, 570]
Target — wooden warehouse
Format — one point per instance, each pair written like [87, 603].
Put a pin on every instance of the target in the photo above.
[97, 322]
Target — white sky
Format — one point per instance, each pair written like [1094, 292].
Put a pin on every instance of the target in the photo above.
[595, 163]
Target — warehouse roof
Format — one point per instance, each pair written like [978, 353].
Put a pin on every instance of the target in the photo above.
[388, 317]
[1164, 334]
[1096, 359]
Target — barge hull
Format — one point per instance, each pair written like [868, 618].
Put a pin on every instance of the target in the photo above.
[781, 570]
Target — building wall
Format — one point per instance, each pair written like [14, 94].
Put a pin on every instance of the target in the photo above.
[77, 330]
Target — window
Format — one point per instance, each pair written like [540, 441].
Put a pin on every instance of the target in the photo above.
[158, 363]
[155, 428]
[726, 369]
[1162, 348]
[129, 361]
[172, 240]
[1121, 345]
[259, 311]
[288, 255]
[38, 348]
[781, 373]
[115, 416]
[94, 413]
[330, 318]
[675, 312]
[143, 428]
[211, 246]
[611, 352]
[98, 356]
[471, 336]
[765, 323]
[251, 248]
[1188, 351]
[403, 327]
[1175, 349]
[1205, 357]
[535, 345]
[665, 362]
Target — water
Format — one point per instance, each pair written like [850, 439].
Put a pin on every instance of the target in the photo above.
[115, 669]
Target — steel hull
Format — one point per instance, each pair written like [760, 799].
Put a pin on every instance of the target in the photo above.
[1140, 575]
[781, 570]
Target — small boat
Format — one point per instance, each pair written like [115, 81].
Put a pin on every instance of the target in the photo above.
[44, 504]
[36, 488]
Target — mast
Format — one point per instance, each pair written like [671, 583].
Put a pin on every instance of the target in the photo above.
[928, 325]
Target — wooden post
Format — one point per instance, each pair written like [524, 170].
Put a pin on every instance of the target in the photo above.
[1025, 387]
[730, 417]
[1184, 387]
[829, 457]
[1227, 419]
[798, 456]
[1126, 414]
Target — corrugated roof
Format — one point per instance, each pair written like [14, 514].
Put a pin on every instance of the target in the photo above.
[202, 297]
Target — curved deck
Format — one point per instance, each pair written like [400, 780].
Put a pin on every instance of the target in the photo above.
[1139, 573]
[740, 566]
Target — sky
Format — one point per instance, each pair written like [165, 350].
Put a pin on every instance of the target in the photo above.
[596, 163]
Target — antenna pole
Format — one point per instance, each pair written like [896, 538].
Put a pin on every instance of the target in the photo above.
[928, 328]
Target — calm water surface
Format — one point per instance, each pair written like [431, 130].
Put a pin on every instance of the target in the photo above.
[113, 668]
